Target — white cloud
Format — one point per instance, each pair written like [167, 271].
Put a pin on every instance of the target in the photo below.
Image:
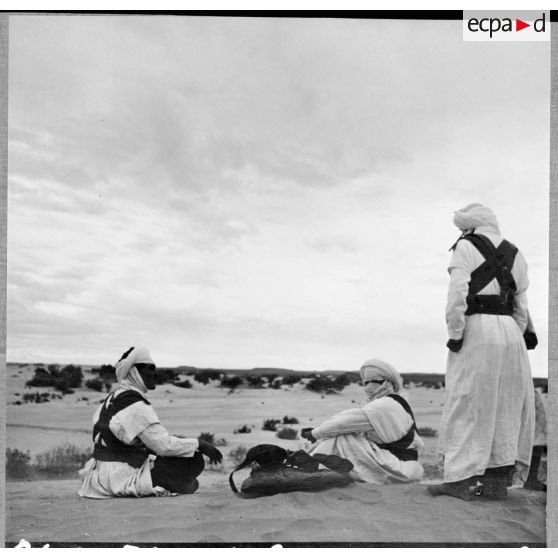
[243, 192]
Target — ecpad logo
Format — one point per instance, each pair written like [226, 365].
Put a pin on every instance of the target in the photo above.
[506, 26]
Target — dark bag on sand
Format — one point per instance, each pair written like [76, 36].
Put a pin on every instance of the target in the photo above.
[277, 470]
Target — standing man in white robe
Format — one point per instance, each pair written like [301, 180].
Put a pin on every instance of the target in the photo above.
[488, 419]
[133, 453]
[380, 439]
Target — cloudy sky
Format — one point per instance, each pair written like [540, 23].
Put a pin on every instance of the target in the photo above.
[261, 192]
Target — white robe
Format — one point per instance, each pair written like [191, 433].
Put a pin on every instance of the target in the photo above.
[488, 416]
[107, 479]
[355, 433]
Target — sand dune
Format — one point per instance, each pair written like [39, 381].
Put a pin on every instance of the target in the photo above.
[45, 511]
[50, 511]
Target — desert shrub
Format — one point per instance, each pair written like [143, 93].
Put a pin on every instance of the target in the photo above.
[164, 376]
[319, 384]
[427, 432]
[201, 378]
[270, 378]
[341, 381]
[61, 460]
[238, 455]
[36, 397]
[255, 381]
[245, 429]
[108, 385]
[184, 384]
[63, 380]
[207, 437]
[290, 380]
[62, 385]
[290, 420]
[287, 433]
[231, 382]
[41, 378]
[105, 372]
[220, 442]
[95, 384]
[270, 424]
[276, 383]
[73, 375]
[17, 464]
[207, 375]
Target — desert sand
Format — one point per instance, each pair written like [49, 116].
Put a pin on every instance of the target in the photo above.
[47, 511]
[43, 511]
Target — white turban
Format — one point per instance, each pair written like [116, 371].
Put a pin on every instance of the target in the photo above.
[475, 215]
[125, 366]
[376, 367]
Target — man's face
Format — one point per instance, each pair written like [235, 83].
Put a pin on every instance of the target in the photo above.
[147, 373]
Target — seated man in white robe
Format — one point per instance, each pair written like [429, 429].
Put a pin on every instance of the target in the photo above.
[380, 439]
[133, 453]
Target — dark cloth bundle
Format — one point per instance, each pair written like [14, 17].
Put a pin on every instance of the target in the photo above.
[278, 470]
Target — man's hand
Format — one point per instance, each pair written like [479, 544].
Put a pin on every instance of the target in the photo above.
[531, 340]
[307, 433]
[454, 345]
[215, 456]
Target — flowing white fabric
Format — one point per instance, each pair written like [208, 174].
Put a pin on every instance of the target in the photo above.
[107, 479]
[488, 416]
[355, 433]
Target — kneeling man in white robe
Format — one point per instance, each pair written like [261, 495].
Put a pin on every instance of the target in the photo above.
[380, 439]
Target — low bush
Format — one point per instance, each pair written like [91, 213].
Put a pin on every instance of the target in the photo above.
[270, 424]
[427, 432]
[60, 379]
[184, 384]
[243, 430]
[287, 433]
[94, 384]
[17, 464]
[290, 420]
[255, 381]
[164, 376]
[320, 384]
[207, 375]
[231, 382]
[238, 455]
[62, 460]
[276, 383]
[341, 381]
[290, 380]
[106, 372]
[36, 397]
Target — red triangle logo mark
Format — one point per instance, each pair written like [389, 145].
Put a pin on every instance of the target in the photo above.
[519, 25]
